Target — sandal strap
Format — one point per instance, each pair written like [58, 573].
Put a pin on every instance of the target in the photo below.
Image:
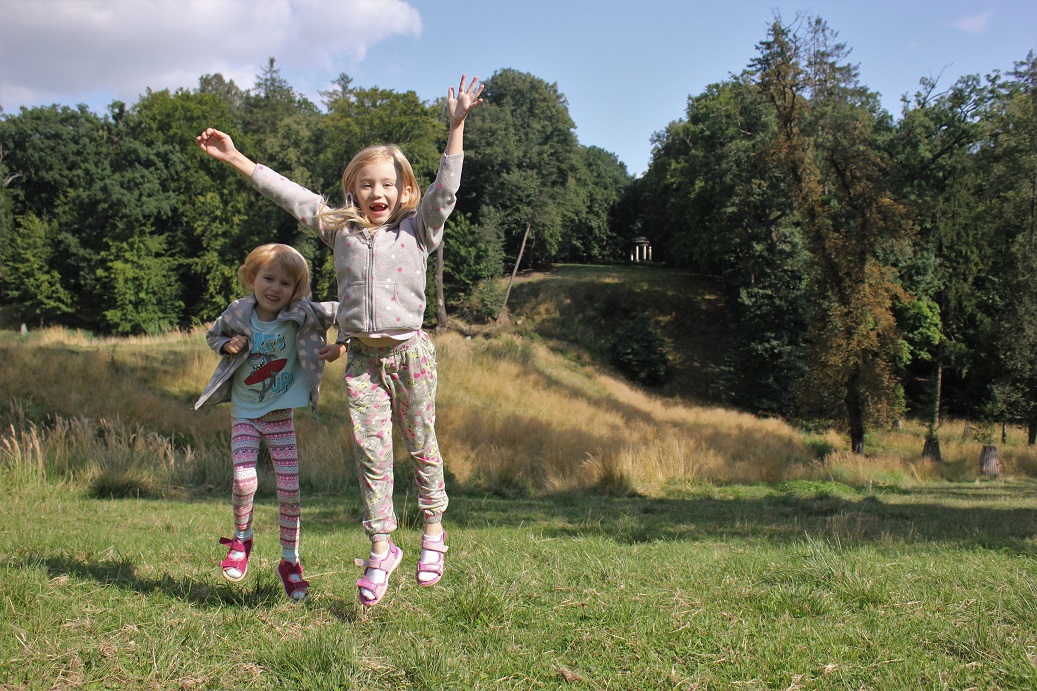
[236, 544]
[431, 567]
[371, 563]
[364, 582]
[435, 546]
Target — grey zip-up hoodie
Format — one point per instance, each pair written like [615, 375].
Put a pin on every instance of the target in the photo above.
[380, 272]
[314, 320]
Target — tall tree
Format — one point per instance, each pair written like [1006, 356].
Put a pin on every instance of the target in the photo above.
[522, 157]
[828, 125]
[716, 200]
[935, 177]
[592, 232]
[1010, 164]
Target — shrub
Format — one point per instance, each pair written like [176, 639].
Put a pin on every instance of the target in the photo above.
[639, 352]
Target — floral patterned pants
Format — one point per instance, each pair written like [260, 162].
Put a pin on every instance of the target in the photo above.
[387, 386]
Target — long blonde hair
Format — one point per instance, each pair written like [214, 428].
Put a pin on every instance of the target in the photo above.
[285, 257]
[337, 219]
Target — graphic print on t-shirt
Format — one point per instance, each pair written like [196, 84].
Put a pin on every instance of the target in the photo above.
[267, 381]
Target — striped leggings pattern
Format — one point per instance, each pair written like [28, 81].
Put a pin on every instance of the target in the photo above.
[278, 429]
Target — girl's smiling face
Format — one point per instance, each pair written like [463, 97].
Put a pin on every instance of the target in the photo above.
[378, 191]
[273, 289]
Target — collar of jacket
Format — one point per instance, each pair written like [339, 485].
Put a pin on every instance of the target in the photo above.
[239, 314]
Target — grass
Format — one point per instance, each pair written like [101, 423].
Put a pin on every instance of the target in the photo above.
[802, 586]
[602, 537]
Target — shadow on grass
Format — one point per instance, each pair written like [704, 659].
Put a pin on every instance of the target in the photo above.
[998, 517]
[777, 518]
[262, 590]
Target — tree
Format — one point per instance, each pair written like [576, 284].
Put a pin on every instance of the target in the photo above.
[828, 130]
[60, 153]
[717, 200]
[593, 233]
[945, 268]
[521, 160]
[1010, 165]
[140, 286]
[27, 275]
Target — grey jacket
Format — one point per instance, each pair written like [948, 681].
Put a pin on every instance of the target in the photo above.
[380, 272]
[314, 320]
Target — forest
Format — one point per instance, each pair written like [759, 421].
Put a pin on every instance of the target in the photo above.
[874, 266]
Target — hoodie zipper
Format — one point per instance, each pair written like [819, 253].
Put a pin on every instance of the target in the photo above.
[370, 283]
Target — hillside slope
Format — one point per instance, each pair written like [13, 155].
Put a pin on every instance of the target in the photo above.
[581, 310]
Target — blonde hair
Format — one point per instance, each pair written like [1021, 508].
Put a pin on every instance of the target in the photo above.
[337, 219]
[286, 258]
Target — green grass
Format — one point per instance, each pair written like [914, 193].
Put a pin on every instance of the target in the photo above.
[642, 548]
[802, 585]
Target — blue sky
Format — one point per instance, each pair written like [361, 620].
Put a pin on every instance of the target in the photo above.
[626, 68]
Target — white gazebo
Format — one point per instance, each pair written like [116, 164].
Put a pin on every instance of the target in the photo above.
[641, 250]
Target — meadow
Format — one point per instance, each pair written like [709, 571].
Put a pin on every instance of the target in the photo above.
[602, 537]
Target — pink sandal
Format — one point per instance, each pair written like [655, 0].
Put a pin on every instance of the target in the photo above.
[239, 563]
[388, 564]
[296, 590]
[435, 567]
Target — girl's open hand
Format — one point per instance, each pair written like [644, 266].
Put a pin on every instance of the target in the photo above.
[217, 144]
[458, 106]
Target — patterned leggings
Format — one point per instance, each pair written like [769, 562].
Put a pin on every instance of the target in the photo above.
[278, 428]
[387, 386]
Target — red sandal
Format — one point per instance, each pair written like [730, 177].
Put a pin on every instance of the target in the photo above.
[435, 567]
[388, 564]
[298, 589]
[242, 547]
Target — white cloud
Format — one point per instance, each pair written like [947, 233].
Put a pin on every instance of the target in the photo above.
[973, 23]
[71, 51]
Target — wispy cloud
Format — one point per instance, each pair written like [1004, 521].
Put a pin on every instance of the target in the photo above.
[974, 23]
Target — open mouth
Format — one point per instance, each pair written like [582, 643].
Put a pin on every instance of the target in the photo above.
[379, 207]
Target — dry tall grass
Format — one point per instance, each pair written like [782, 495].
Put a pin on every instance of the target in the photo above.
[513, 418]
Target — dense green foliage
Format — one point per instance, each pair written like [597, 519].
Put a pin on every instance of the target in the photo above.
[118, 224]
[874, 266]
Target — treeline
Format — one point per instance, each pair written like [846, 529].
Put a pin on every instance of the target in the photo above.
[118, 223]
[875, 267]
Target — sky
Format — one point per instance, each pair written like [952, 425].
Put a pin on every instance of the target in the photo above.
[625, 67]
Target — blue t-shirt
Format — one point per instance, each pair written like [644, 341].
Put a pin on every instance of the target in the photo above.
[272, 377]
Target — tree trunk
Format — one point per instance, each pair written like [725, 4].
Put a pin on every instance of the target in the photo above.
[518, 260]
[989, 463]
[938, 393]
[855, 412]
[1031, 431]
[931, 449]
[442, 320]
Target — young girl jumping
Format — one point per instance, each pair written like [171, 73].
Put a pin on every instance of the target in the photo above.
[381, 241]
[274, 349]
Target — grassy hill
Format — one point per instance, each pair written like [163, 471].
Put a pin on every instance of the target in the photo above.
[528, 408]
[580, 310]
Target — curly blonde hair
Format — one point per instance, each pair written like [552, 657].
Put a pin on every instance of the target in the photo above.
[337, 219]
[286, 258]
